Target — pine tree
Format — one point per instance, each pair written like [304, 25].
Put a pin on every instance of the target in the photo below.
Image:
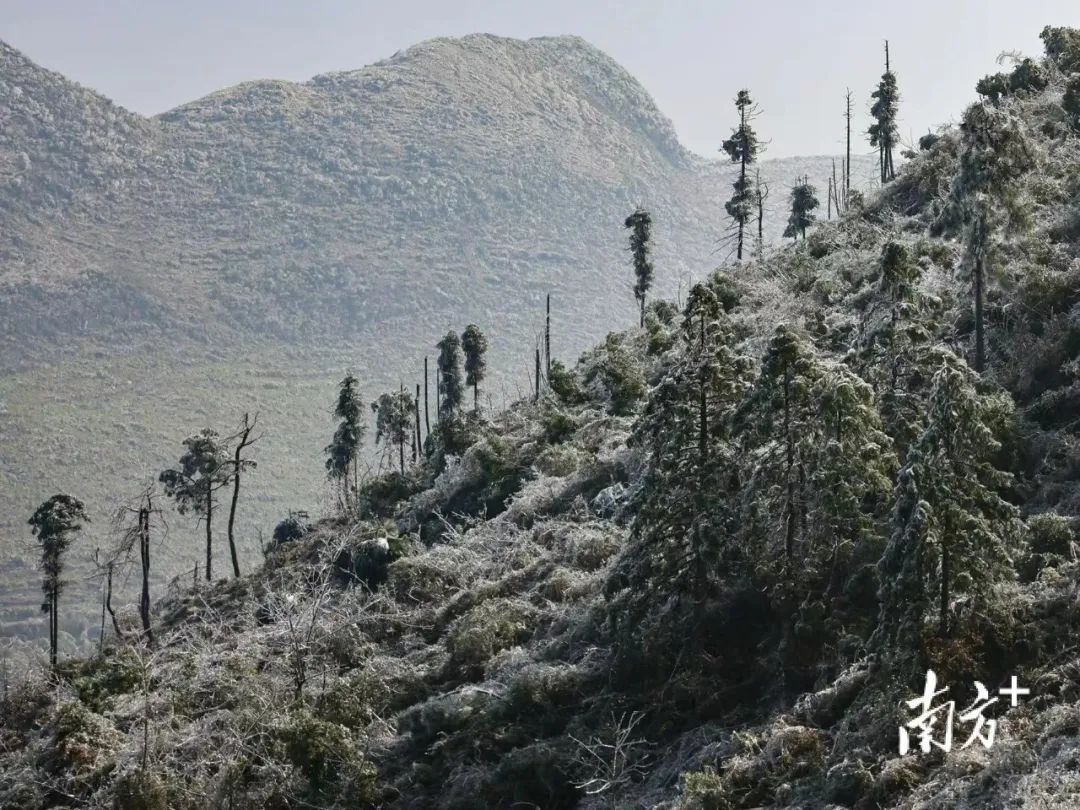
[451, 391]
[883, 132]
[894, 347]
[475, 346]
[851, 465]
[743, 148]
[678, 537]
[394, 421]
[777, 421]
[204, 469]
[55, 524]
[803, 202]
[640, 225]
[343, 452]
[952, 530]
[986, 196]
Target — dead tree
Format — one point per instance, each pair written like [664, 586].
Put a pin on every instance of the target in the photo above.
[244, 438]
[547, 338]
[416, 439]
[135, 534]
[427, 420]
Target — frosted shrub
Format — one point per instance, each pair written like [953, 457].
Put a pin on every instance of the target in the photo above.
[487, 628]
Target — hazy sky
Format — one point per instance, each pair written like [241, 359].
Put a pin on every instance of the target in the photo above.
[796, 57]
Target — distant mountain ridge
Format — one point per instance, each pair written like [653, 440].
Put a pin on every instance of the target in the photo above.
[481, 165]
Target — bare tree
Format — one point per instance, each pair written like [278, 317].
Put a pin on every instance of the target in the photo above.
[616, 759]
[244, 438]
[133, 525]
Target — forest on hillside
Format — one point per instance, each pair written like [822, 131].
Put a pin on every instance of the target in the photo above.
[711, 565]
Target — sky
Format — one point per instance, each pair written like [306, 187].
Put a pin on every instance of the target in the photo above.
[796, 58]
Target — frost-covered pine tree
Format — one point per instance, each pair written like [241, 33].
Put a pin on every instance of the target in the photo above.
[55, 524]
[776, 422]
[951, 529]
[883, 132]
[474, 345]
[639, 224]
[986, 196]
[851, 465]
[342, 454]
[679, 539]
[203, 470]
[743, 148]
[803, 202]
[894, 345]
[394, 421]
[451, 390]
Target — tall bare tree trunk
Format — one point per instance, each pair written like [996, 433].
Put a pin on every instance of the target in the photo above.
[419, 442]
[789, 538]
[847, 173]
[980, 346]
[547, 337]
[742, 175]
[244, 441]
[144, 558]
[53, 625]
[108, 601]
[427, 419]
[209, 532]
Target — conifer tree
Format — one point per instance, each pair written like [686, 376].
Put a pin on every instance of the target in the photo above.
[678, 537]
[883, 132]
[474, 345]
[952, 530]
[893, 350]
[55, 524]
[851, 462]
[343, 452]
[743, 148]
[394, 421]
[451, 391]
[803, 202]
[779, 418]
[640, 225]
[986, 196]
[204, 469]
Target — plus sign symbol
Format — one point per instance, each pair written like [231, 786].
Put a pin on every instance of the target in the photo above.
[1013, 692]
